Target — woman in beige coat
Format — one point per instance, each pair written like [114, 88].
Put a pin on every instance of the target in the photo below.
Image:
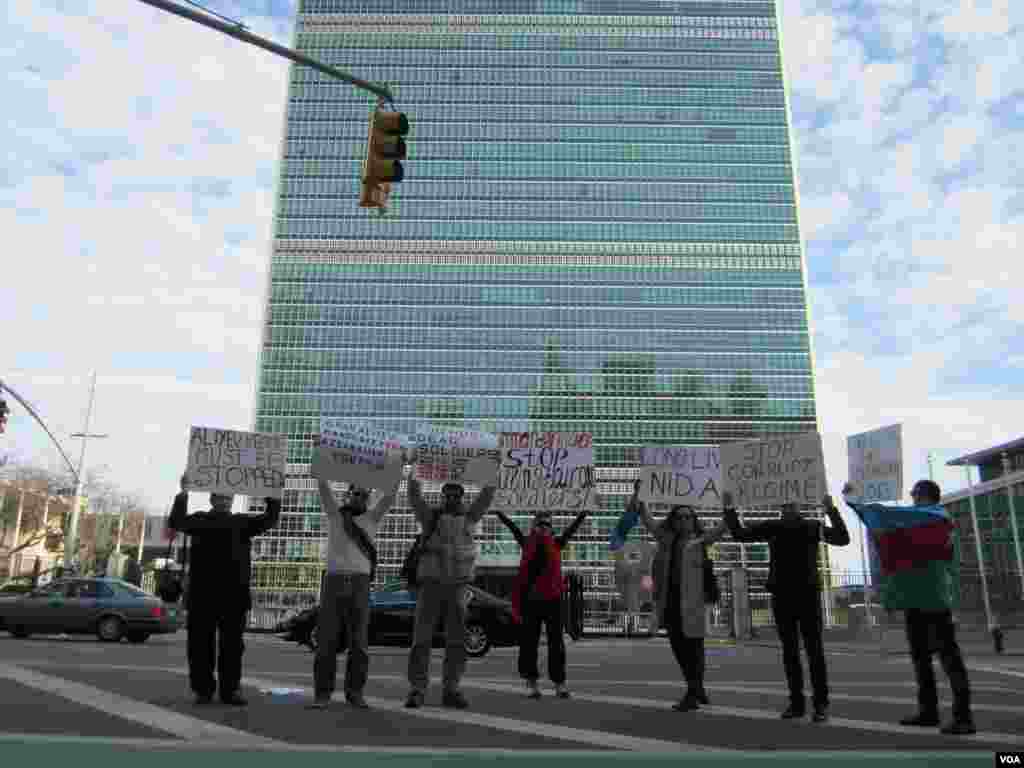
[679, 590]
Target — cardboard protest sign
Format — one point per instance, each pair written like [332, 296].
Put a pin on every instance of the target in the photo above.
[681, 475]
[876, 463]
[356, 452]
[455, 456]
[229, 462]
[775, 471]
[546, 470]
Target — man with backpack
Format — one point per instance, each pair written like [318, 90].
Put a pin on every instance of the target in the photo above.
[345, 599]
[447, 561]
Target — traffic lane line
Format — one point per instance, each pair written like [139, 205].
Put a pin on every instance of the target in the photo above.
[835, 724]
[29, 709]
[833, 684]
[1008, 672]
[499, 722]
[286, 720]
[102, 700]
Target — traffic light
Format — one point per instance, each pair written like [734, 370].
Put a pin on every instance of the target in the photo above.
[4, 410]
[385, 149]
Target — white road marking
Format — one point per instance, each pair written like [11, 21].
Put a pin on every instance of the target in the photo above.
[754, 714]
[151, 716]
[547, 730]
[996, 670]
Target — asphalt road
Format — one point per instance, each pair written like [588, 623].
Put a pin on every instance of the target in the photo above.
[85, 697]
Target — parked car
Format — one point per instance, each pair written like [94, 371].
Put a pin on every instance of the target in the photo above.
[488, 622]
[19, 585]
[109, 608]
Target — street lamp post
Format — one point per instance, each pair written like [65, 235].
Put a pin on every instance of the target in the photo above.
[1013, 520]
[71, 544]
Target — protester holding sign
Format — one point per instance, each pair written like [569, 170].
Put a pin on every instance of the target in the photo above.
[679, 590]
[218, 596]
[351, 566]
[446, 567]
[919, 552]
[795, 585]
[537, 598]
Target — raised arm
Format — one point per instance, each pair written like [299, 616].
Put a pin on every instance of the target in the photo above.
[260, 524]
[569, 532]
[386, 502]
[739, 532]
[416, 502]
[836, 532]
[328, 501]
[518, 534]
[482, 503]
[180, 520]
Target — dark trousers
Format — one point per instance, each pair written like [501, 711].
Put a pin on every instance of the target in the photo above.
[689, 651]
[215, 641]
[535, 614]
[344, 604]
[796, 616]
[433, 600]
[929, 632]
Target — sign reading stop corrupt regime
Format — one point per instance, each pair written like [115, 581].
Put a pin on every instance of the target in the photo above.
[775, 471]
[231, 463]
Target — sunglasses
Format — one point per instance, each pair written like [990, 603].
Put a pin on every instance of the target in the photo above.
[454, 494]
[544, 521]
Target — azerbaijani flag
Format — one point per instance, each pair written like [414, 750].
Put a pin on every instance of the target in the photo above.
[907, 537]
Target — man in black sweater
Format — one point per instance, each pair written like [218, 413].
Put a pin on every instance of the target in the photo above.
[218, 596]
[795, 585]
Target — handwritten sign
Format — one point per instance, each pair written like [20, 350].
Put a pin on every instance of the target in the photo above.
[546, 470]
[229, 462]
[356, 452]
[775, 471]
[876, 463]
[455, 456]
[681, 475]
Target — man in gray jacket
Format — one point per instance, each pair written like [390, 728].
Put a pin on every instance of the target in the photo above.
[446, 568]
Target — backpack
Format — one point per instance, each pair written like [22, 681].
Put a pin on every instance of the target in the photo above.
[411, 564]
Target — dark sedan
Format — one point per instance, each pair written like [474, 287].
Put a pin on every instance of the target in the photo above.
[488, 622]
[109, 608]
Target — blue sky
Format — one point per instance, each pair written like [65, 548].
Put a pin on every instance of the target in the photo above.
[136, 195]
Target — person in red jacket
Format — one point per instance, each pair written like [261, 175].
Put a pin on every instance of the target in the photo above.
[537, 598]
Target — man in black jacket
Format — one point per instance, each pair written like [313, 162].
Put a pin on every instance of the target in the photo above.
[795, 585]
[218, 596]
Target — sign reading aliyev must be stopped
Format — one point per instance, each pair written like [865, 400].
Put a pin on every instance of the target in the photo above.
[236, 463]
[355, 452]
[546, 470]
[775, 471]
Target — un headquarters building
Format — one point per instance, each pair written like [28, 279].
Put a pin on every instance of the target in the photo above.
[597, 231]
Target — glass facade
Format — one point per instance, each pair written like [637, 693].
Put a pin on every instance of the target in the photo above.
[598, 231]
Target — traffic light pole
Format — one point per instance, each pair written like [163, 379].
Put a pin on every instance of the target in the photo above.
[247, 37]
[34, 415]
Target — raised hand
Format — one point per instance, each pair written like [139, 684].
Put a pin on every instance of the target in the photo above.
[184, 482]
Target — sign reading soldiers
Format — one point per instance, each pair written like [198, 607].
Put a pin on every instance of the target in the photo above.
[546, 470]
[235, 463]
[876, 463]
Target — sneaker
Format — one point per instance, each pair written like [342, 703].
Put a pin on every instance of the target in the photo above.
[321, 702]
[562, 691]
[959, 728]
[793, 713]
[356, 700]
[414, 700]
[820, 714]
[702, 698]
[532, 689]
[454, 699]
[921, 720]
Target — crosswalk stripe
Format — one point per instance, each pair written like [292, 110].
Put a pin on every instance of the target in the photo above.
[753, 714]
[157, 718]
[511, 725]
